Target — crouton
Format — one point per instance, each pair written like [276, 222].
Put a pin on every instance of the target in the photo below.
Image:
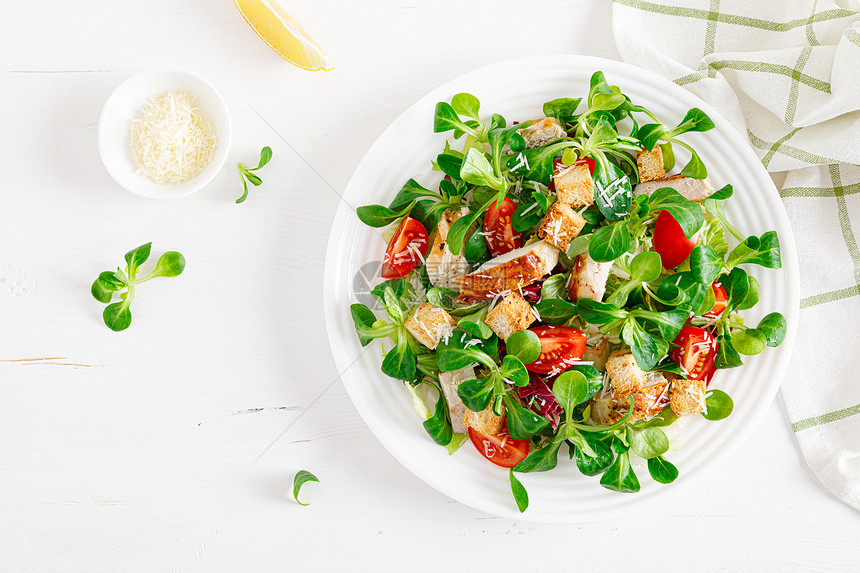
[449, 382]
[588, 278]
[443, 266]
[430, 324]
[573, 185]
[624, 374]
[650, 164]
[693, 189]
[542, 131]
[511, 315]
[560, 225]
[509, 272]
[607, 407]
[688, 397]
[485, 422]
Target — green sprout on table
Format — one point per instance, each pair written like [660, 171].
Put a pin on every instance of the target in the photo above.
[300, 479]
[117, 316]
[246, 172]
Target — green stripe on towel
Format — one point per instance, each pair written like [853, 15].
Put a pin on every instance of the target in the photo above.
[761, 67]
[825, 418]
[825, 16]
[831, 296]
[819, 191]
[789, 151]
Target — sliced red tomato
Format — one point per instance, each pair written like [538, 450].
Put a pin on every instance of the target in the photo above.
[560, 348]
[695, 353]
[501, 449]
[670, 241]
[402, 254]
[722, 299]
[499, 228]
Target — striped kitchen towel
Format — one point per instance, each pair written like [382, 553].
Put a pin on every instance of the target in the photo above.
[787, 74]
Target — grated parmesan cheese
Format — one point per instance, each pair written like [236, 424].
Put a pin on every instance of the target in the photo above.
[529, 209]
[172, 140]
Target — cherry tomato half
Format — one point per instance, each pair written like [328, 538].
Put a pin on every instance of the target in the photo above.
[401, 256]
[722, 299]
[670, 241]
[499, 224]
[560, 348]
[695, 353]
[501, 449]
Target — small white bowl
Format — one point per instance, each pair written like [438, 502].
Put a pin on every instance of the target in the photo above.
[125, 104]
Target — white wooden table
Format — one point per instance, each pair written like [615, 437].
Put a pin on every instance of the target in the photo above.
[172, 446]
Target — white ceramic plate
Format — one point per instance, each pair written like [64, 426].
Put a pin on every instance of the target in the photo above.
[517, 89]
[125, 104]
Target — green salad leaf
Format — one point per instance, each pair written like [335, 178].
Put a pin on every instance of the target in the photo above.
[117, 315]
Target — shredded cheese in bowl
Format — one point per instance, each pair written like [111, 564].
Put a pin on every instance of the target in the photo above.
[173, 139]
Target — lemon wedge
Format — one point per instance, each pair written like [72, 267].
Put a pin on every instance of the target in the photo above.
[283, 34]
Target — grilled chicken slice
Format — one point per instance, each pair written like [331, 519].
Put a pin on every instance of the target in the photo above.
[692, 189]
[509, 272]
[587, 278]
[443, 266]
[542, 131]
[450, 381]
